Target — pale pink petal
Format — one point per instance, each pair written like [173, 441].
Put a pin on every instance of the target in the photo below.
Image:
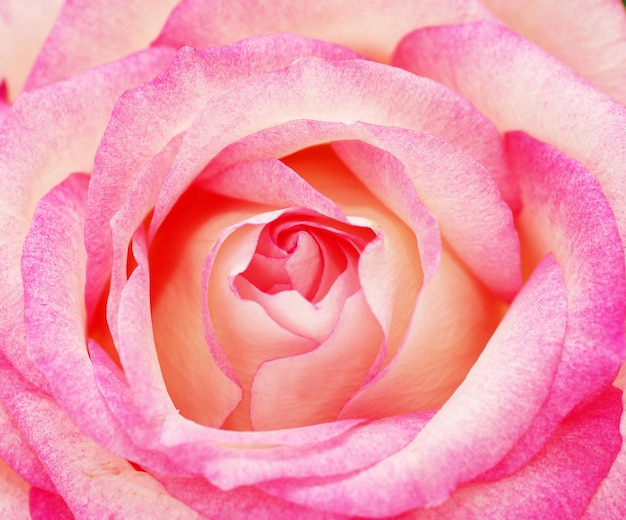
[310, 388]
[246, 342]
[54, 305]
[44, 505]
[390, 270]
[291, 311]
[240, 504]
[476, 426]
[15, 451]
[269, 181]
[23, 29]
[192, 360]
[467, 203]
[587, 35]
[343, 91]
[373, 31]
[130, 158]
[47, 135]
[90, 33]
[358, 448]
[566, 212]
[311, 451]
[93, 482]
[139, 358]
[558, 482]
[14, 492]
[452, 321]
[520, 87]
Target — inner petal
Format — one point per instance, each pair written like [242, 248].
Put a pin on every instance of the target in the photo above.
[305, 266]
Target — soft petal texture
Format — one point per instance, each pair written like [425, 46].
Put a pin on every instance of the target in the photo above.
[54, 308]
[239, 504]
[508, 78]
[133, 157]
[567, 213]
[558, 483]
[112, 29]
[452, 322]
[113, 486]
[18, 454]
[608, 502]
[587, 35]
[502, 389]
[41, 142]
[373, 31]
[311, 387]
[14, 493]
[23, 29]
[332, 91]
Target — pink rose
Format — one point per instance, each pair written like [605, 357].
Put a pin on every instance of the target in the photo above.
[365, 263]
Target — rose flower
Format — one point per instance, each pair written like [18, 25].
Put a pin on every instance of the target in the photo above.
[320, 260]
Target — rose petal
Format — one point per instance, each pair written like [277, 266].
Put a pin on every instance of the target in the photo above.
[471, 213]
[89, 34]
[41, 142]
[138, 352]
[271, 182]
[607, 502]
[240, 504]
[588, 35]
[54, 306]
[373, 31]
[566, 212]
[18, 454]
[470, 432]
[510, 81]
[558, 482]
[333, 91]
[451, 323]
[134, 157]
[23, 29]
[358, 448]
[93, 482]
[311, 387]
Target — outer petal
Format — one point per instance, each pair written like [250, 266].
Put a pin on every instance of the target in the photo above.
[567, 213]
[18, 454]
[55, 312]
[41, 141]
[373, 31]
[239, 504]
[93, 482]
[557, 483]
[23, 29]
[342, 91]
[588, 35]
[521, 87]
[89, 33]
